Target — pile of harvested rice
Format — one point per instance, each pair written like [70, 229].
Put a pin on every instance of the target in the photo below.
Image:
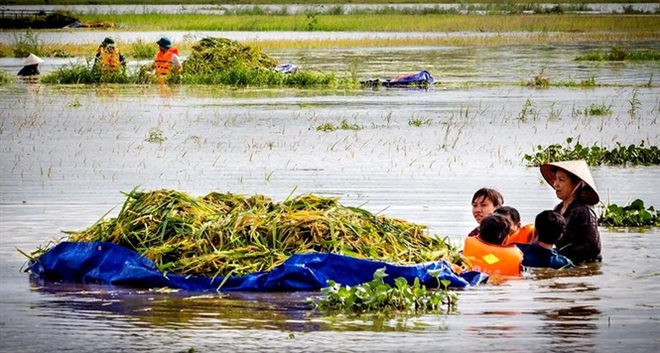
[217, 54]
[222, 234]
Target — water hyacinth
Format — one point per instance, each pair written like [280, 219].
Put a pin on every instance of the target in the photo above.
[221, 234]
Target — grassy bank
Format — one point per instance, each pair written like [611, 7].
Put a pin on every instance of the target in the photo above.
[285, 2]
[383, 23]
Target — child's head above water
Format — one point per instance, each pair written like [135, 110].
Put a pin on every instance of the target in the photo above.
[511, 214]
[494, 228]
[549, 227]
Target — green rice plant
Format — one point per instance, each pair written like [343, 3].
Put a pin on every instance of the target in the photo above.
[620, 155]
[326, 127]
[86, 74]
[527, 109]
[634, 214]
[598, 110]
[618, 54]
[635, 103]
[5, 78]
[141, 49]
[345, 125]
[382, 300]
[156, 135]
[417, 122]
[28, 43]
[539, 81]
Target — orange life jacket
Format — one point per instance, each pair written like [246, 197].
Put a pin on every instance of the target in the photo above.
[523, 235]
[163, 62]
[109, 61]
[492, 259]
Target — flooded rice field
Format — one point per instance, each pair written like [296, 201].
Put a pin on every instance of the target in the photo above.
[68, 152]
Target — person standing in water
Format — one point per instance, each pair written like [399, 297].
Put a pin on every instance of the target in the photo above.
[576, 189]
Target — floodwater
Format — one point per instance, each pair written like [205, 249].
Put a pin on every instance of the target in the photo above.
[68, 152]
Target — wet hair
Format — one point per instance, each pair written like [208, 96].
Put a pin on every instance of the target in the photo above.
[549, 226]
[509, 211]
[490, 194]
[494, 228]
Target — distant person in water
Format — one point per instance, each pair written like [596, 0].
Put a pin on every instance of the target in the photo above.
[167, 58]
[31, 66]
[484, 202]
[549, 227]
[108, 58]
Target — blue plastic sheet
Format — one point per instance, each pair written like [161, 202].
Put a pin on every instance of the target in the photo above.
[108, 263]
[421, 78]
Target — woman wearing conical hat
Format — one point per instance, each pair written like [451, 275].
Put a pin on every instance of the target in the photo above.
[31, 66]
[576, 189]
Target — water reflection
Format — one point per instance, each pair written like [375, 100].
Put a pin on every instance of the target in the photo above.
[573, 327]
[176, 309]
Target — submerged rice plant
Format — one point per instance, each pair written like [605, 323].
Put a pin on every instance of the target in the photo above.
[618, 54]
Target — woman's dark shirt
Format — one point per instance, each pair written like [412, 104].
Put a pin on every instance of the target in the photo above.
[29, 70]
[581, 240]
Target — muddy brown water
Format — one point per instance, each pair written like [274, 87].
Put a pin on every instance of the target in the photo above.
[67, 152]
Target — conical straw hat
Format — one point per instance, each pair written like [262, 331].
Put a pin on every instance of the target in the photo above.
[32, 59]
[578, 168]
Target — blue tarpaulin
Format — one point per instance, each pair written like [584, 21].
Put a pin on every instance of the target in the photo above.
[108, 263]
[422, 78]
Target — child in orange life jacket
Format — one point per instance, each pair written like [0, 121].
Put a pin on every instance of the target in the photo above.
[167, 58]
[519, 234]
[542, 253]
[484, 201]
[485, 252]
[108, 58]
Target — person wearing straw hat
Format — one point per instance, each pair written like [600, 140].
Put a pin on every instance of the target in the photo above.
[108, 58]
[31, 66]
[167, 58]
[576, 189]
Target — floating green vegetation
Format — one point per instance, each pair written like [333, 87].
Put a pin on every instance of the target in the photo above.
[631, 215]
[156, 135]
[595, 155]
[345, 125]
[223, 234]
[618, 54]
[384, 301]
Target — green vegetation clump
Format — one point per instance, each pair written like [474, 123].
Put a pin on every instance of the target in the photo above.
[217, 54]
[618, 54]
[595, 155]
[87, 74]
[5, 78]
[631, 215]
[345, 125]
[226, 234]
[382, 300]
